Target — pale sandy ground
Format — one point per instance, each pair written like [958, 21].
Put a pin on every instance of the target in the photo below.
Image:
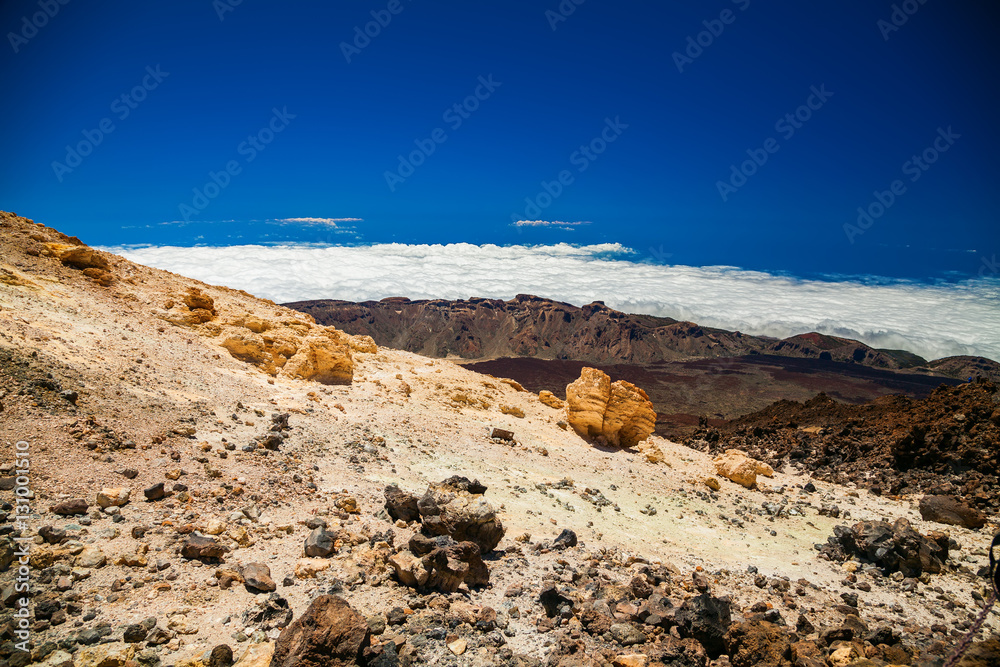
[141, 376]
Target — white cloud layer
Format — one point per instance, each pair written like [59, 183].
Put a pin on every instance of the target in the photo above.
[931, 320]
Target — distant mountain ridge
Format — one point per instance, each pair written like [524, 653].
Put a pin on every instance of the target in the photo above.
[530, 326]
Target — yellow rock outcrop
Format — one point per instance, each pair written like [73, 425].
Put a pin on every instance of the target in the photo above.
[325, 359]
[195, 299]
[652, 452]
[551, 400]
[322, 355]
[77, 256]
[364, 344]
[244, 344]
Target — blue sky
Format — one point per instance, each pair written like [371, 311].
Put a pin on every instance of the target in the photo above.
[596, 98]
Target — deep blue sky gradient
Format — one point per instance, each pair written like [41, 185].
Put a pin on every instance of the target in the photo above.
[654, 187]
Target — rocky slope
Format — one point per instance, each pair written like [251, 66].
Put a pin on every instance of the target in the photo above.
[201, 476]
[945, 443]
[528, 326]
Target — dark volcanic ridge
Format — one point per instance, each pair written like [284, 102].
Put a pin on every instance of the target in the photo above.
[690, 372]
[529, 326]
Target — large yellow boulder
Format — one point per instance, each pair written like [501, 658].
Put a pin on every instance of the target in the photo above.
[629, 417]
[618, 411]
[586, 399]
[282, 344]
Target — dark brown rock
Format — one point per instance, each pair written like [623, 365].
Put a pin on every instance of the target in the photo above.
[458, 483]
[135, 633]
[595, 622]
[640, 587]
[807, 654]
[677, 652]
[401, 505]
[71, 507]
[329, 633]
[457, 509]
[982, 654]
[257, 577]
[452, 566]
[440, 564]
[154, 492]
[840, 633]
[895, 546]
[706, 619]
[565, 539]
[272, 441]
[804, 626]
[758, 643]
[319, 543]
[948, 510]
[895, 654]
[51, 534]
[657, 610]
[421, 545]
[221, 656]
[502, 434]
[202, 548]
[6, 553]
[552, 600]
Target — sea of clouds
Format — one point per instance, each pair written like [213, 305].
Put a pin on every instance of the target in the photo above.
[930, 320]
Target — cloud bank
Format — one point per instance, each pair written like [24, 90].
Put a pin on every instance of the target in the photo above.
[329, 222]
[930, 320]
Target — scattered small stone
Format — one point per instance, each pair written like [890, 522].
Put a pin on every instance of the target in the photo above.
[71, 507]
[502, 434]
[319, 543]
[202, 548]
[567, 538]
[257, 577]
